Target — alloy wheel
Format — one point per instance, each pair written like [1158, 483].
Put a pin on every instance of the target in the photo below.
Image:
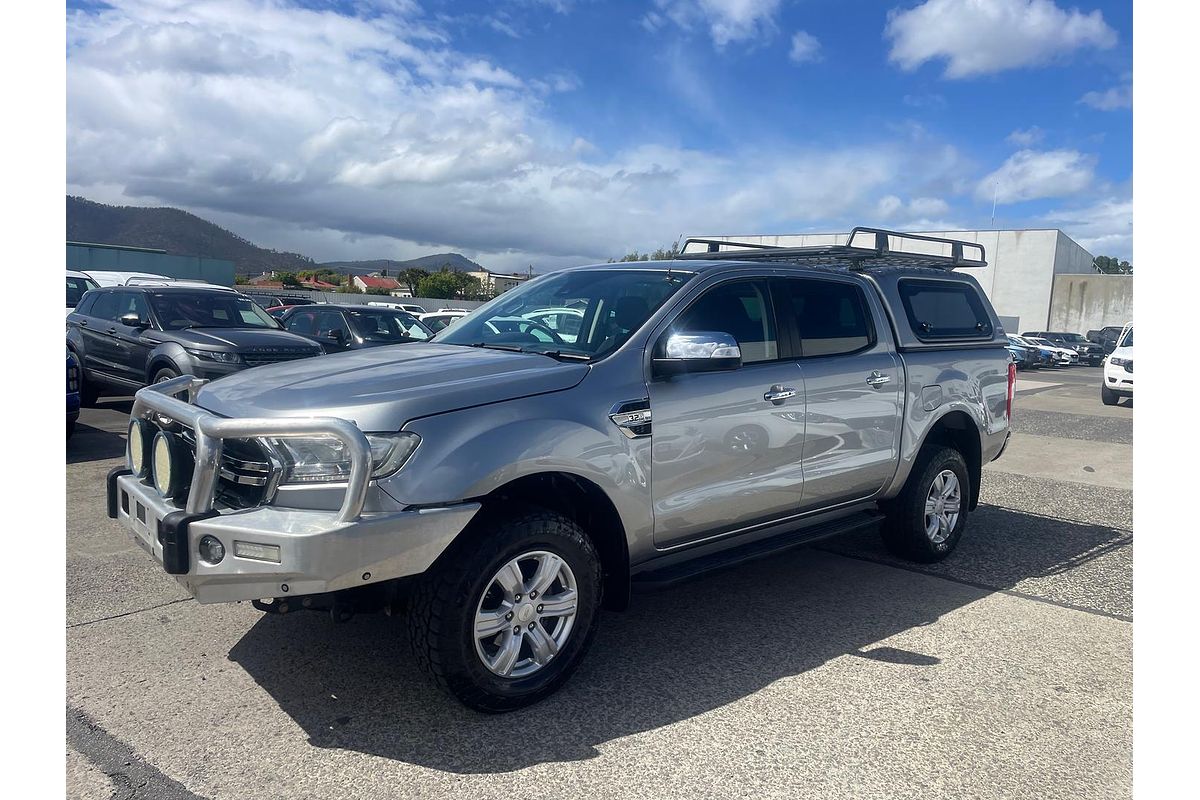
[526, 614]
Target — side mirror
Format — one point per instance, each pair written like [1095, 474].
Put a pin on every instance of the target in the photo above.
[132, 320]
[702, 351]
[338, 335]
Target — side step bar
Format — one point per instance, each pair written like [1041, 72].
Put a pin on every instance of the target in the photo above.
[671, 574]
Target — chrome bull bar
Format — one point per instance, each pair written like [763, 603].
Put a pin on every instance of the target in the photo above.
[211, 431]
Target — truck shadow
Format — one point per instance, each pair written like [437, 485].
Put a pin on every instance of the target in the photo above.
[674, 655]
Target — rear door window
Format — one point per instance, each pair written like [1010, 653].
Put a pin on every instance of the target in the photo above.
[105, 306]
[944, 310]
[830, 317]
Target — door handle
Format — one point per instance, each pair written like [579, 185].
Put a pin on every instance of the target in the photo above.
[877, 378]
[777, 394]
[111, 330]
[83, 323]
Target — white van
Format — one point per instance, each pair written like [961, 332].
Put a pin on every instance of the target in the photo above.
[77, 284]
[105, 278]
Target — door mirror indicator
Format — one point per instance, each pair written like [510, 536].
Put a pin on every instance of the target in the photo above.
[701, 351]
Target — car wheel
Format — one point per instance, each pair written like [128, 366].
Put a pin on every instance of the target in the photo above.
[927, 520]
[164, 374]
[70, 428]
[1108, 396]
[507, 615]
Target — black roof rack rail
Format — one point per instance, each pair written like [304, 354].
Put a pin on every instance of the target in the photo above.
[881, 248]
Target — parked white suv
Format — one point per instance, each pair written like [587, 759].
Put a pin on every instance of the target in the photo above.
[1118, 370]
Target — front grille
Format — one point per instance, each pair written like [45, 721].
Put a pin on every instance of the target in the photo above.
[246, 473]
[257, 357]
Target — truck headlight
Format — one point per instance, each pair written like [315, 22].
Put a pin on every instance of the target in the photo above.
[323, 459]
[1118, 362]
[219, 356]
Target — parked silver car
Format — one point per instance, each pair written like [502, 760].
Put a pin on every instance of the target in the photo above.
[500, 484]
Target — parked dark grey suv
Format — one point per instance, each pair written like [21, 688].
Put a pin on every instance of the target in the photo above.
[126, 337]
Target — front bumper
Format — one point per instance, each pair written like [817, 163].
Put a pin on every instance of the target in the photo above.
[316, 553]
[283, 551]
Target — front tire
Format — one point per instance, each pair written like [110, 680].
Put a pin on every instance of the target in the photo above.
[477, 621]
[164, 374]
[926, 522]
[1108, 396]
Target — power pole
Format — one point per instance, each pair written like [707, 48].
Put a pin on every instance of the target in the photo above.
[995, 196]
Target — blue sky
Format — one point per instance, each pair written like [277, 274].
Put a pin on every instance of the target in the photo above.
[557, 131]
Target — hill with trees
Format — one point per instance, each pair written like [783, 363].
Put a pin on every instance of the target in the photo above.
[176, 231]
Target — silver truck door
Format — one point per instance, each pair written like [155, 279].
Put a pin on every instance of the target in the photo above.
[726, 446]
[852, 384]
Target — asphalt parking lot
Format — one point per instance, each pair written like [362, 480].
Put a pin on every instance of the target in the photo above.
[831, 671]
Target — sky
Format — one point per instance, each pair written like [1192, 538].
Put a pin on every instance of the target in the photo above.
[558, 132]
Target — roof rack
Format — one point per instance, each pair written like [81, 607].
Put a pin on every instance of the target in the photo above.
[864, 247]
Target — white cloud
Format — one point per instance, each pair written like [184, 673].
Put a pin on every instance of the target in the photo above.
[978, 37]
[1027, 137]
[1033, 174]
[1118, 97]
[918, 214]
[727, 21]
[344, 136]
[805, 47]
[1105, 227]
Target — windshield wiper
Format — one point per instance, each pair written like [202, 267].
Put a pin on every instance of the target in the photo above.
[560, 354]
[511, 348]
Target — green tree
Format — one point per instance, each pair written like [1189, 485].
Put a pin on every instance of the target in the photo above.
[661, 254]
[412, 277]
[240, 280]
[289, 279]
[348, 288]
[1111, 266]
[441, 285]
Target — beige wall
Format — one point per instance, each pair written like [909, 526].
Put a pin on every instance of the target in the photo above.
[1086, 302]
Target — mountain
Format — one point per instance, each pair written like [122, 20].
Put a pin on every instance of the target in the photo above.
[433, 263]
[175, 231]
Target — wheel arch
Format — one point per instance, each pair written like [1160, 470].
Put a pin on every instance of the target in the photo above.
[584, 502]
[958, 430]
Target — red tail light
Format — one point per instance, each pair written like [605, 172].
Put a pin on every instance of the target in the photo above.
[1012, 389]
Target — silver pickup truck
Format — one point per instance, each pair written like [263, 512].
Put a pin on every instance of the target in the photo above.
[593, 431]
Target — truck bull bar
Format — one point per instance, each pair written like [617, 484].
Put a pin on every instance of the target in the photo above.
[210, 430]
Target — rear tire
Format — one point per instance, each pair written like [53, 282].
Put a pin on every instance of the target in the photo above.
[1108, 396]
[89, 393]
[449, 601]
[908, 530]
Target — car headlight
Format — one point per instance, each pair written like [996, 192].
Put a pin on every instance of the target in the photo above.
[219, 356]
[323, 459]
[1119, 362]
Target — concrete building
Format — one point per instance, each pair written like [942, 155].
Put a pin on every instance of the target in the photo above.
[86, 256]
[494, 283]
[1019, 278]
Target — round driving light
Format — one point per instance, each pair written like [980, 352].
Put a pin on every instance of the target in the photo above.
[211, 550]
[172, 464]
[141, 436]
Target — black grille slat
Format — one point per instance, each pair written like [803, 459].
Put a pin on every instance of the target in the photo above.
[259, 358]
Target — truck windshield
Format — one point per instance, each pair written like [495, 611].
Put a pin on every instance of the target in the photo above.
[606, 306]
[1073, 338]
[1127, 339]
[178, 310]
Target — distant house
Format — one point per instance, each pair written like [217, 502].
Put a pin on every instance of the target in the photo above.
[267, 280]
[494, 283]
[365, 282]
[320, 286]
